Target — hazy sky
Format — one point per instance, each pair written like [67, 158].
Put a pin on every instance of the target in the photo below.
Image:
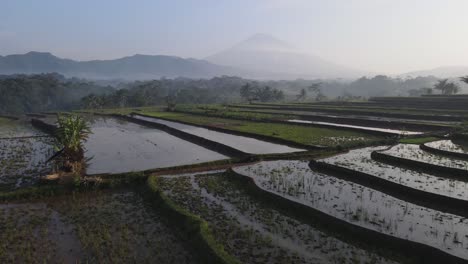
[388, 36]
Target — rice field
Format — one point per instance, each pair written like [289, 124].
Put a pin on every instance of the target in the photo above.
[158, 195]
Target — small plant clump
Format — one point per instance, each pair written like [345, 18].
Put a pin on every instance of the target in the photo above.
[71, 132]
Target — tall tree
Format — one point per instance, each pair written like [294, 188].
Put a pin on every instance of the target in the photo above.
[446, 87]
[247, 92]
[302, 95]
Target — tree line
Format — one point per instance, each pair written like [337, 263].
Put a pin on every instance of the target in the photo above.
[43, 92]
[47, 92]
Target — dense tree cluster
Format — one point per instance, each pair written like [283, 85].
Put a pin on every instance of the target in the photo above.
[446, 88]
[168, 91]
[42, 92]
[255, 92]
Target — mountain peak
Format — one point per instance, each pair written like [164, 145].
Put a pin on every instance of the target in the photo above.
[268, 57]
[39, 54]
[261, 41]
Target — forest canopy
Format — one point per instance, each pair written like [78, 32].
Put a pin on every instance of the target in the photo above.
[48, 92]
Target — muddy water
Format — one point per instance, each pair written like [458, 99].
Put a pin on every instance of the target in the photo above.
[448, 145]
[361, 206]
[386, 130]
[117, 146]
[17, 128]
[413, 152]
[51, 238]
[360, 160]
[245, 144]
[228, 205]
[22, 160]
[104, 227]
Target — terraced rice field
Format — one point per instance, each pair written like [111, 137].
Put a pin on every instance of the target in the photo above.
[23, 153]
[448, 145]
[245, 144]
[191, 204]
[22, 160]
[413, 152]
[360, 160]
[343, 115]
[306, 135]
[16, 128]
[105, 227]
[253, 231]
[361, 206]
[385, 130]
[117, 146]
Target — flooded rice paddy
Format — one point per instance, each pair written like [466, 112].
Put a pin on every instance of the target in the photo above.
[448, 145]
[245, 144]
[117, 146]
[106, 227]
[360, 160]
[17, 128]
[413, 152]
[353, 116]
[386, 130]
[23, 153]
[253, 231]
[361, 206]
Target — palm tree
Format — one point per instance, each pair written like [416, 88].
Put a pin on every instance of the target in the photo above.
[446, 87]
[72, 131]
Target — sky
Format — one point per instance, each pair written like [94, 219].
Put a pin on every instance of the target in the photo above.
[383, 36]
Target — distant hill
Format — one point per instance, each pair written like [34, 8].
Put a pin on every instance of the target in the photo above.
[132, 68]
[441, 72]
[258, 57]
[267, 57]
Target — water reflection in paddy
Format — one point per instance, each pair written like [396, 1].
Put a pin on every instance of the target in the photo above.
[386, 130]
[361, 206]
[413, 152]
[117, 146]
[448, 145]
[245, 144]
[360, 160]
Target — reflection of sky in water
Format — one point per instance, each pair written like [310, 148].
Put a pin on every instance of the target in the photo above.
[361, 206]
[413, 152]
[118, 146]
[392, 131]
[245, 144]
[448, 145]
[360, 160]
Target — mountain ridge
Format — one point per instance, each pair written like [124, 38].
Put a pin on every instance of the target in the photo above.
[441, 72]
[136, 66]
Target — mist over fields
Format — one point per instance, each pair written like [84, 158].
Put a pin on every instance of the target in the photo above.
[259, 57]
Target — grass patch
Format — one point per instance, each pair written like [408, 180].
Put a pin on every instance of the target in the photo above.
[201, 235]
[4, 121]
[229, 112]
[31, 193]
[306, 135]
[417, 140]
[356, 107]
